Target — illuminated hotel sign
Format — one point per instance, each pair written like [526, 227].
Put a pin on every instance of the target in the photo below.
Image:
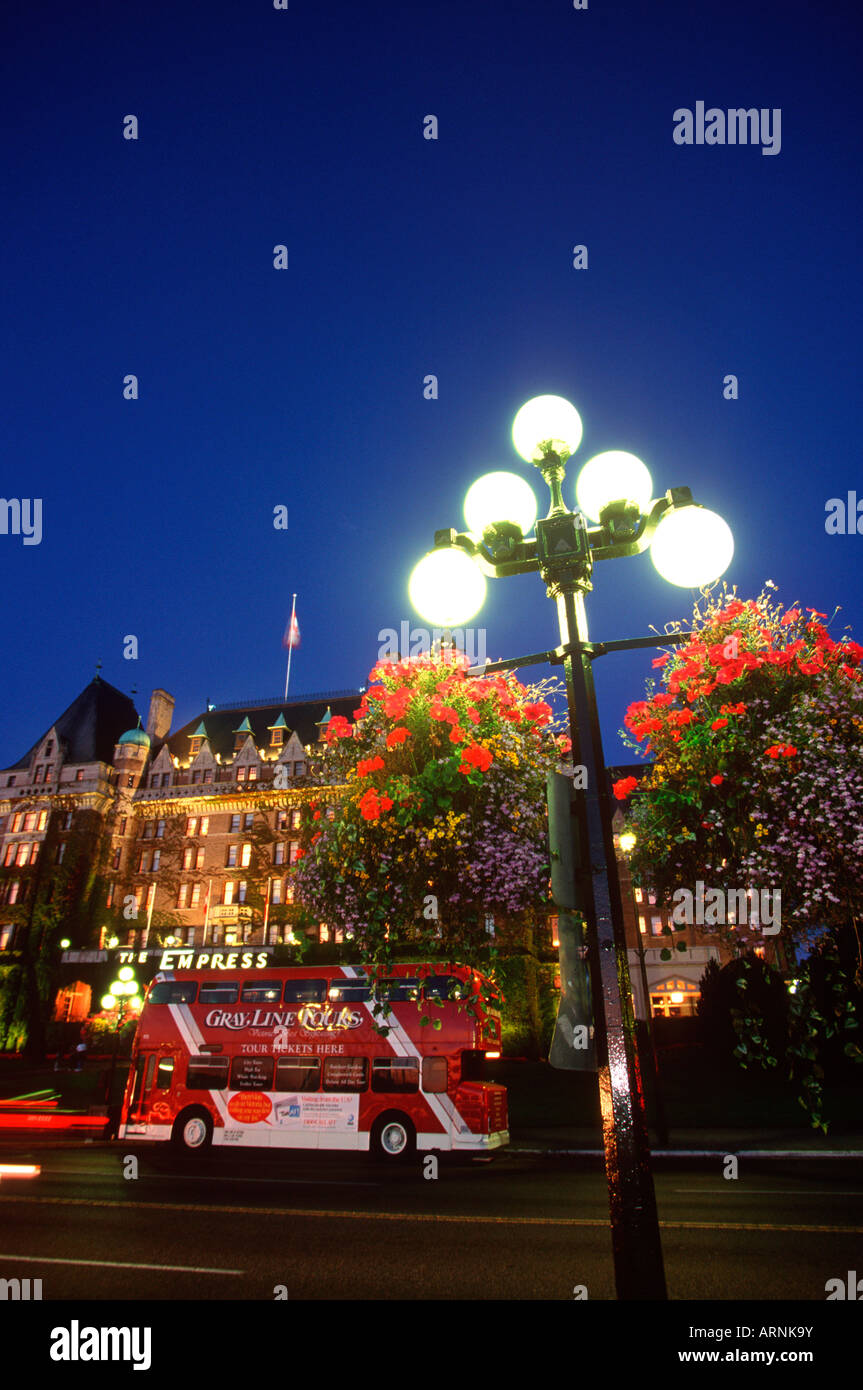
[179, 959]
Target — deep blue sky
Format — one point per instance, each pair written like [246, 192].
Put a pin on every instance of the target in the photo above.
[304, 387]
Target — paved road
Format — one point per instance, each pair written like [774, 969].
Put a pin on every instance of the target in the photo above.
[334, 1227]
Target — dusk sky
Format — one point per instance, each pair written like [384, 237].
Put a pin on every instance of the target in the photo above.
[406, 257]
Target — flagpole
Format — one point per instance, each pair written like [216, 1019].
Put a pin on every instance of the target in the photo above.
[290, 645]
[207, 912]
[267, 911]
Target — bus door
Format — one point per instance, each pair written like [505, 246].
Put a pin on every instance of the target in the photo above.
[150, 1101]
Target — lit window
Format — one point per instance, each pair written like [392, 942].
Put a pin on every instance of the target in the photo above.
[229, 892]
[34, 853]
[281, 820]
[205, 824]
[109, 900]
[651, 898]
[246, 856]
[188, 857]
[656, 924]
[276, 890]
[191, 825]
[139, 897]
[183, 895]
[289, 892]
[253, 774]
[639, 895]
[295, 851]
[157, 856]
[61, 850]
[279, 852]
[79, 775]
[10, 855]
[43, 819]
[23, 854]
[30, 821]
[278, 737]
[196, 895]
[199, 859]
[14, 889]
[17, 822]
[144, 861]
[49, 772]
[115, 862]
[160, 829]
[241, 774]
[194, 746]
[295, 820]
[325, 932]
[37, 776]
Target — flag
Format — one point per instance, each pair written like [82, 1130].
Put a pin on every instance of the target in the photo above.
[292, 633]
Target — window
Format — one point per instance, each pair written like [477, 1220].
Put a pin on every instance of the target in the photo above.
[79, 776]
[299, 769]
[289, 892]
[199, 859]
[23, 853]
[231, 857]
[147, 832]
[157, 858]
[160, 829]
[37, 775]
[164, 1073]
[196, 776]
[253, 774]
[445, 987]
[30, 821]
[207, 1074]
[228, 893]
[205, 824]
[49, 748]
[49, 772]
[208, 774]
[279, 852]
[295, 820]
[305, 991]
[235, 825]
[115, 862]
[246, 856]
[10, 855]
[34, 852]
[395, 1074]
[172, 992]
[192, 825]
[277, 738]
[323, 932]
[298, 1074]
[121, 831]
[656, 926]
[252, 1074]
[295, 851]
[248, 820]
[144, 861]
[261, 992]
[434, 1075]
[275, 890]
[642, 924]
[43, 820]
[17, 822]
[346, 1073]
[398, 991]
[139, 897]
[154, 779]
[281, 820]
[182, 895]
[195, 746]
[241, 774]
[219, 992]
[10, 781]
[14, 889]
[639, 895]
[344, 991]
[188, 857]
[651, 898]
[109, 900]
[241, 892]
[61, 850]
[196, 895]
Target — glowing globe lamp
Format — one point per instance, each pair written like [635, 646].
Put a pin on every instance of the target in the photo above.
[546, 420]
[446, 587]
[607, 477]
[127, 973]
[499, 497]
[627, 841]
[108, 1001]
[692, 547]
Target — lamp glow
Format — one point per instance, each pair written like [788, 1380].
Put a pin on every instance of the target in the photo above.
[108, 1001]
[609, 476]
[65, 944]
[627, 841]
[692, 547]
[546, 420]
[127, 973]
[446, 587]
[499, 497]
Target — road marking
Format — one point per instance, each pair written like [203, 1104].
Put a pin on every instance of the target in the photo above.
[117, 1264]
[424, 1216]
[214, 1177]
[771, 1191]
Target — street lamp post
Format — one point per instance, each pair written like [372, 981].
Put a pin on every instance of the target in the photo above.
[123, 997]
[627, 844]
[689, 546]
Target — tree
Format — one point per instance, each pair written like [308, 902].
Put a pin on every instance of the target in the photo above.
[442, 821]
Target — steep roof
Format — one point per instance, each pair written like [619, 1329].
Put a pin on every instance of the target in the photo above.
[301, 716]
[91, 725]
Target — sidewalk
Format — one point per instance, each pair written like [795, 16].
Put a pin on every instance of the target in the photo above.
[572, 1141]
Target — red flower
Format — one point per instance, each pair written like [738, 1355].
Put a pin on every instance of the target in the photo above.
[540, 713]
[397, 701]
[397, 736]
[316, 816]
[513, 715]
[790, 617]
[719, 723]
[443, 712]
[367, 765]
[717, 780]
[732, 709]
[316, 837]
[473, 716]
[815, 613]
[338, 727]
[661, 660]
[457, 735]
[475, 756]
[565, 745]
[622, 788]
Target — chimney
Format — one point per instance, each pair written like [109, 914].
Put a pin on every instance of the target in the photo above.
[159, 715]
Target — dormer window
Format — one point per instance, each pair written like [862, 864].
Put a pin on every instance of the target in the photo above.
[49, 748]
[195, 746]
[239, 740]
[278, 738]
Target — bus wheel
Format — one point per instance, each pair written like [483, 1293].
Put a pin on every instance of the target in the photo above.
[193, 1131]
[393, 1137]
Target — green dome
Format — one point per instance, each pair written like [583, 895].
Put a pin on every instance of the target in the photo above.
[139, 736]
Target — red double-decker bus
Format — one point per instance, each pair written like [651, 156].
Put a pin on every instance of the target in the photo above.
[291, 1058]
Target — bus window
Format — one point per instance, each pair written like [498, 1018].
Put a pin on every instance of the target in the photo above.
[305, 991]
[397, 990]
[261, 992]
[345, 991]
[298, 1074]
[395, 1074]
[346, 1073]
[434, 1075]
[172, 992]
[164, 1073]
[207, 1074]
[219, 992]
[252, 1074]
[445, 987]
